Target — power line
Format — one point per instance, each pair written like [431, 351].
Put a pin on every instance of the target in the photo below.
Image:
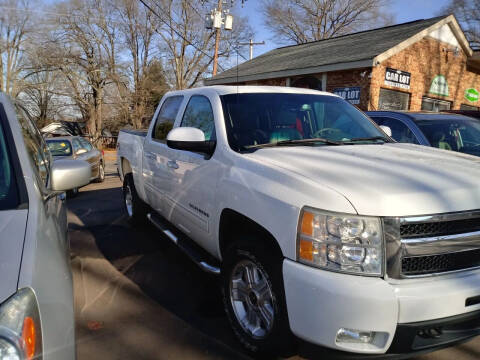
[173, 29]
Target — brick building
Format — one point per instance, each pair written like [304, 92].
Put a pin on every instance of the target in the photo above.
[420, 65]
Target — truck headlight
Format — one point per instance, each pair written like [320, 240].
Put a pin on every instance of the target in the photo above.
[340, 242]
[20, 330]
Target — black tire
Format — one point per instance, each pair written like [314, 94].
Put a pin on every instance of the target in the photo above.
[101, 173]
[278, 340]
[137, 212]
[72, 193]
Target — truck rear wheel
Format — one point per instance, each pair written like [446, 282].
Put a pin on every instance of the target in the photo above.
[254, 300]
[136, 209]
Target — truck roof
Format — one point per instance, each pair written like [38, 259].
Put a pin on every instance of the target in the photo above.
[243, 89]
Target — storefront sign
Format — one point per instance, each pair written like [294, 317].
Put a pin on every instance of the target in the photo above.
[471, 95]
[439, 86]
[397, 78]
[351, 94]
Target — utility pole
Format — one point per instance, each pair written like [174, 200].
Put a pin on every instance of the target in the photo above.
[251, 44]
[217, 41]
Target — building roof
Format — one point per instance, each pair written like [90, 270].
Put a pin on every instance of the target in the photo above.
[357, 50]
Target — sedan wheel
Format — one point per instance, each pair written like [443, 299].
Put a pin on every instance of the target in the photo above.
[101, 172]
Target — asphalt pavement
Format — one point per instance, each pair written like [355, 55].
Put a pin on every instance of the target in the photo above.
[138, 297]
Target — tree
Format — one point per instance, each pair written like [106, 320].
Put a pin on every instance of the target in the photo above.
[467, 13]
[83, 49]
[146, 72]
[15, 25]
[187, 45]
[301, 21]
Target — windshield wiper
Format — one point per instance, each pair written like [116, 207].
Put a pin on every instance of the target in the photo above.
[372, 138]
[312, 141]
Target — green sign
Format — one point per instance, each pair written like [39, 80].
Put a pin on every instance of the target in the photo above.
[471, 94]
[439, 86]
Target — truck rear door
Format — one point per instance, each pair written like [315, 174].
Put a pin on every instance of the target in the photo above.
[156, 173]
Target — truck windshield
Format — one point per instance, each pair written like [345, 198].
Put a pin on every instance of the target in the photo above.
[262, 118]
[59, 147]
[8, 191]
[461, 135]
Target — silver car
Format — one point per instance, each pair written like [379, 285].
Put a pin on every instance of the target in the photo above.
[78, 148]
[36, 300]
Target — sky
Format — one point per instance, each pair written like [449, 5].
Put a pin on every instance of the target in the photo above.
[403, 11]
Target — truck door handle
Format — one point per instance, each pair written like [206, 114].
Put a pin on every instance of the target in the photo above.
[172, 164]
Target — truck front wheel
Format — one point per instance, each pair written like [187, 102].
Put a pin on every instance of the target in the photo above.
[136, 209]
[254, 300]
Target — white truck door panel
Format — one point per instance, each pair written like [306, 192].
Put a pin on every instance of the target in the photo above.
[193, 178]
[156, 172]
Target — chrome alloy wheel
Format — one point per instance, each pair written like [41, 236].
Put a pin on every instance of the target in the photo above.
[129, 201]
[101, 171]
[252, 299]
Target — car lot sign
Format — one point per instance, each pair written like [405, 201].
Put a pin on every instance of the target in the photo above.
[397, 78]
[471, 95]
[351, 94]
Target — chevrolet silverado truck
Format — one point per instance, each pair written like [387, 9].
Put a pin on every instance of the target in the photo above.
[324, 230]
[36, 295]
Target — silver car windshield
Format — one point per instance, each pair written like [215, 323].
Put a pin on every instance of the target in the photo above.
[257, 119]
[8, 192]
[60, 147]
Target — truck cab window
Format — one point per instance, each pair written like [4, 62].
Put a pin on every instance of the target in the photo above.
[166, 117]
[199, 114]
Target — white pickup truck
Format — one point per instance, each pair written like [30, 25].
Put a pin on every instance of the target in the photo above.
[320, 225]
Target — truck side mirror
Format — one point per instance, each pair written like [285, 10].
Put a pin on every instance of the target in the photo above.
[386, 130]
[190, 139]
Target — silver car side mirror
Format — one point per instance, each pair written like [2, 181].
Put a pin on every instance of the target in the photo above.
[81, 151]
[69, 174]
[386, 130]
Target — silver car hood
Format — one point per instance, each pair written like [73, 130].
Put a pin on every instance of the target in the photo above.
[12, 237]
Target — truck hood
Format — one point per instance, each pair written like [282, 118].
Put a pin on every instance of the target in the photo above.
[388, 179]
[12, 236]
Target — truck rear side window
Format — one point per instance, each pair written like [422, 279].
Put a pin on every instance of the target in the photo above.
[166, 117]
[8, 190]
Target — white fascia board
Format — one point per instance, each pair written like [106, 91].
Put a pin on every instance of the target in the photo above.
[293, 72]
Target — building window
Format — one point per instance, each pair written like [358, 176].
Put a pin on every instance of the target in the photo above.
[308, 82]
[436, 105]
[393, 100]
[468, 107]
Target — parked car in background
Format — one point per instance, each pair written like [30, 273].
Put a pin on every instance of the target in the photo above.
[318, 223]
[78, 148]
[36, 299]
[471, 113]
[440, 130]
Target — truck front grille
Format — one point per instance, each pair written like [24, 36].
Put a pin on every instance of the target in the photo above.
[432, 244]
[431, 264]
[428, 229]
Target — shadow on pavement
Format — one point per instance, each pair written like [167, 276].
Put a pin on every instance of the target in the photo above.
[151, 261]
